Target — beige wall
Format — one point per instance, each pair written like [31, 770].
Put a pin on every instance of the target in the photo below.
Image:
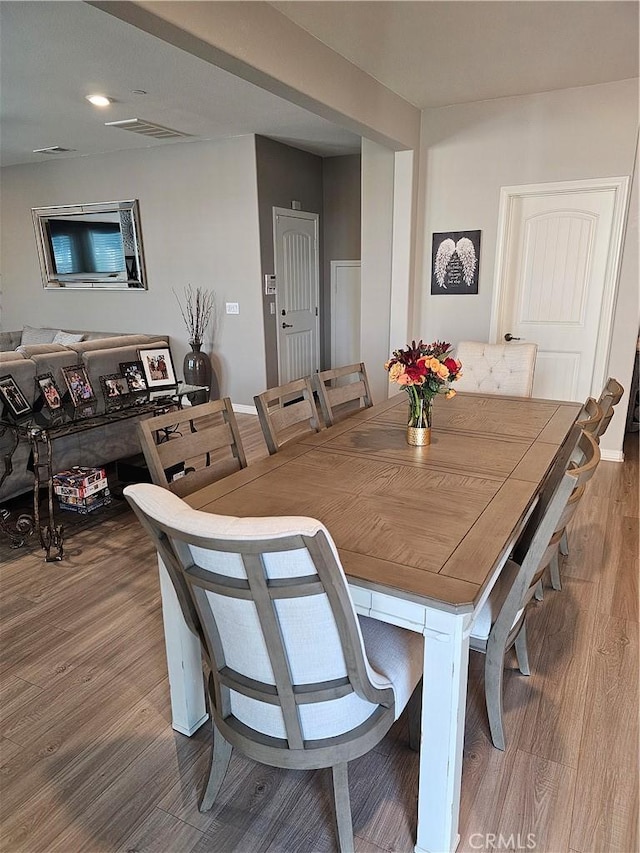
[198, 210]
[470, 151]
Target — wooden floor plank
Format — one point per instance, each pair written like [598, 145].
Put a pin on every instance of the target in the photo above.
[552, 726]
[537, 810]
[606, 803]
[159, 833]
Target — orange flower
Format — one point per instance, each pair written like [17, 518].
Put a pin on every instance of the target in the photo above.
[450, 393]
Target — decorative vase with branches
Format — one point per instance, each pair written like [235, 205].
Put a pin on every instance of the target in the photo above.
[197, 312]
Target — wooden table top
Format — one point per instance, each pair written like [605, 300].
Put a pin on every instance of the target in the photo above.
[428, 522]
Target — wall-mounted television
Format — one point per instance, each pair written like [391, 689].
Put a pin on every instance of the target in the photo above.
[94, 245]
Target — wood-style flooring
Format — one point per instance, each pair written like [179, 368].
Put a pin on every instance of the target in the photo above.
[89, 761]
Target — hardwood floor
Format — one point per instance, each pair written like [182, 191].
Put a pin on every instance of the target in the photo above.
[89, 761]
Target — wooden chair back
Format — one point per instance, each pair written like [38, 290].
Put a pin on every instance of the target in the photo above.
[610, 397]
[343, 391]
[192, 447]
[287, 412]
[590, 417]
[542, 536]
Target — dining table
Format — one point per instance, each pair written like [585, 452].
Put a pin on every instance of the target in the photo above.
[423, 534]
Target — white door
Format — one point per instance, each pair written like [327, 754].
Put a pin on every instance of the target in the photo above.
[345, 313]
[557, 269]
[297, 292]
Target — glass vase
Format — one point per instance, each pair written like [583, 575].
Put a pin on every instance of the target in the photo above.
[419, 422]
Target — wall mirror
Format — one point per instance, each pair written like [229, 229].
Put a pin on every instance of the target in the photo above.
[93, 246]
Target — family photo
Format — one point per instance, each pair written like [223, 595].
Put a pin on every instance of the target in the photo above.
[158, 367]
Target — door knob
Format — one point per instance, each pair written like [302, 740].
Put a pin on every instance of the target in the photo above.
[287, 325]
[509, 337]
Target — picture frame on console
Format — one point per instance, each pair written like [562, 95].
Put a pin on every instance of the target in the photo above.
[14, 400]
[134, 375]
[115, 391]
[77, 381]
[157, 367]
[50, 392]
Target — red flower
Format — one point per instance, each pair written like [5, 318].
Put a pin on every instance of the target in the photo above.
[416, 374]
[451, 364]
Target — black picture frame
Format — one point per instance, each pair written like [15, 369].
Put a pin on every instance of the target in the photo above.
[78, 384]
[51, 395]
[157, 367]
[455, 263]
[115, 390]
[134, 375]
[12, 397]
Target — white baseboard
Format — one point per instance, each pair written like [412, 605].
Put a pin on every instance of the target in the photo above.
[244, 410]
[611, 455]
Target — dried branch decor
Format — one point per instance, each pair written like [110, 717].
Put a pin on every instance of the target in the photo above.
[196, 312]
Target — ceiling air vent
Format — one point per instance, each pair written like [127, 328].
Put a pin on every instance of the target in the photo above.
[54, 149]
[147, 128]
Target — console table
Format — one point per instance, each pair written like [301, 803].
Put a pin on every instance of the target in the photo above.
[42, 427]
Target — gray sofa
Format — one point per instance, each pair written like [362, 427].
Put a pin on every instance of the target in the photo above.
[101, 354]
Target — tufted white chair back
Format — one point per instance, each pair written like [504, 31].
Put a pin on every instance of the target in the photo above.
[497, 368]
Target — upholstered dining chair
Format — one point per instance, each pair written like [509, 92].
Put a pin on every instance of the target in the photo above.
[191, 447]
[501, 622]
[343, 391]
[287, 412]
[506, 368]
[297, 679]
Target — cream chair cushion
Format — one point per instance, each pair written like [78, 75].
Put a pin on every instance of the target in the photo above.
[497, 368]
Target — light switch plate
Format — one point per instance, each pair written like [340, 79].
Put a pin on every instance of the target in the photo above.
[233, 308]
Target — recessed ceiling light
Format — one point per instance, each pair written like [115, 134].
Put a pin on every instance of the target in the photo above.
[99, 100]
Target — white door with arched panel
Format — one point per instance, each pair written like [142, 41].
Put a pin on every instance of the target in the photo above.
[297, 292]
[557, 266]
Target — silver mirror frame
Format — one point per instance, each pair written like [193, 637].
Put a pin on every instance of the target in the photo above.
[136, 278]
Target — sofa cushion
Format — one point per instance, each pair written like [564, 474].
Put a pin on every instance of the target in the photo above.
[53, 362]
[67, 338]
[104, 361]
[11, 356]
[109, 343]
[33, 335]
[39, 349]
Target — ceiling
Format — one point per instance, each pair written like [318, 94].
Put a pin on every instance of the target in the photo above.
[431, 53]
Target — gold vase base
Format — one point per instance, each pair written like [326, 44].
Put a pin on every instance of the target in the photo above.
[418, 436]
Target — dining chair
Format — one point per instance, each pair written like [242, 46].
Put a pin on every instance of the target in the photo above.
[590, 417]
[297, 679]
[501, 621]
[610, 397]
[287, 412]
[340, 388]
[189, 448]
[496, 368]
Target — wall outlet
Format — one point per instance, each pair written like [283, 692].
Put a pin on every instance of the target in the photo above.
[233, 308]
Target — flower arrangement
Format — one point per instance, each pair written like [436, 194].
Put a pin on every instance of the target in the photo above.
[424, 370]
[197, 310]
